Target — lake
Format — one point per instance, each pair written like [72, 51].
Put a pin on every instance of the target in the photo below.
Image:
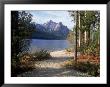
[50, 45]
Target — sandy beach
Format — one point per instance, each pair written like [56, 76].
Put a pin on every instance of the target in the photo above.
[61, 53]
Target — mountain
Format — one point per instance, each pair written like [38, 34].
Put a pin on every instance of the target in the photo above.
[51, 30]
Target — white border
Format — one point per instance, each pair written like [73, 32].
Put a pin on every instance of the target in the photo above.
[56, 80]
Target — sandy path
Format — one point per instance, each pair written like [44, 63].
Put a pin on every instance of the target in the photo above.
[53, 67]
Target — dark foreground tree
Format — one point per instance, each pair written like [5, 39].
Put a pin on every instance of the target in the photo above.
[22, 28]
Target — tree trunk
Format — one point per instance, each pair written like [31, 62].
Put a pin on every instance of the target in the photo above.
[14, 31]
[79, 30]
[79, 41]
[88, 36]
[85, 37]
[76, 37]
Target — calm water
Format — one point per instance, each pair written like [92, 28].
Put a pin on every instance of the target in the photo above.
[50, 45]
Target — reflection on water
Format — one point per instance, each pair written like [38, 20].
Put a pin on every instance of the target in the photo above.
[50, 45]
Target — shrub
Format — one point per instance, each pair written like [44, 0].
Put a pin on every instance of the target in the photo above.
[41, 55]
[26, 61]
[87, 67]
[24, 64]
[92, 48]
[69, 64]
[69, 49]
[94, 70]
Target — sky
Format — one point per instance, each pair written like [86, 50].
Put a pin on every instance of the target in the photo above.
[41, 17]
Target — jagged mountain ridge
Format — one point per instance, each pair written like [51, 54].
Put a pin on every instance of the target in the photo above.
[51, 30]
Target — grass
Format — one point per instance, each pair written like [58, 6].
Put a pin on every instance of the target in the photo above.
[86, 67]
